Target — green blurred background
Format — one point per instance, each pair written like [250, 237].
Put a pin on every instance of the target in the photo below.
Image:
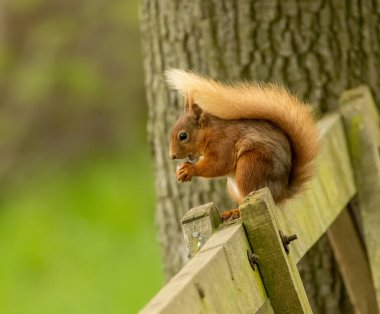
[76, 189]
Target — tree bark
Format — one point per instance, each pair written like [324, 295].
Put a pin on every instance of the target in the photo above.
[315, 48]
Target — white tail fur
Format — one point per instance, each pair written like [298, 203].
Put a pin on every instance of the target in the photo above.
[257, 101]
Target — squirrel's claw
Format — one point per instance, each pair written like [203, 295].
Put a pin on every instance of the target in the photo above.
[231, 214]
[185, 172]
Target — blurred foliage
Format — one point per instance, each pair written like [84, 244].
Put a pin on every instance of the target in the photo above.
[76, 195]
[71, 79]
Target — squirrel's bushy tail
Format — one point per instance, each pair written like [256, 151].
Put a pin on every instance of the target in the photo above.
[258, 101]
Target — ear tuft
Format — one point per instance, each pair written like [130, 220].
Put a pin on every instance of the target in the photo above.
[188, 102]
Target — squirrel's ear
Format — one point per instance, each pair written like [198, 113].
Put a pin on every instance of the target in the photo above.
[199, 115]
[196, 110]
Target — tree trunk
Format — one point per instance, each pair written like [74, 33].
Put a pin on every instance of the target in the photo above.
[315, 48]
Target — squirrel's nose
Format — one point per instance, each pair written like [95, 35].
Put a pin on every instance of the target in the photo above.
[172, 156]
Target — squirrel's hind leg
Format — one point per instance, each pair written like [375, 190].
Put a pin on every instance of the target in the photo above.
[249, 169]
[254, 171]
[233, 189]
[235, 195]
[241, 183]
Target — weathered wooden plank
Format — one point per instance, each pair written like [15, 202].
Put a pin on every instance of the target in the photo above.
[278, 270]
[362, 96]
[329, 192]
[219, 279]
[352, 260]
[359, 125]
[266, 308]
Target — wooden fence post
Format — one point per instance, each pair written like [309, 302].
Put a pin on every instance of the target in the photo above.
[361, 120]
[277, 268]
[198, 225]
[350, 255]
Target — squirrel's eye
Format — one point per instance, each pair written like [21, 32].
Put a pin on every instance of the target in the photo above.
[182, 136]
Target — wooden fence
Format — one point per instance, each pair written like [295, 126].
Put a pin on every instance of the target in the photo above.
[249, 265]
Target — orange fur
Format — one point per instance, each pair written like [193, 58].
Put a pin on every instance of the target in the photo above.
[244, 101]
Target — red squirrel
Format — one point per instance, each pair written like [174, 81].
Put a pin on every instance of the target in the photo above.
[258, 135]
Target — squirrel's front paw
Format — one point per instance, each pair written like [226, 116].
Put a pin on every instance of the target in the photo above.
[185, 172]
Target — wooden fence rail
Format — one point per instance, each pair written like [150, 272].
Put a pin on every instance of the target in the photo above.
[224, 274]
